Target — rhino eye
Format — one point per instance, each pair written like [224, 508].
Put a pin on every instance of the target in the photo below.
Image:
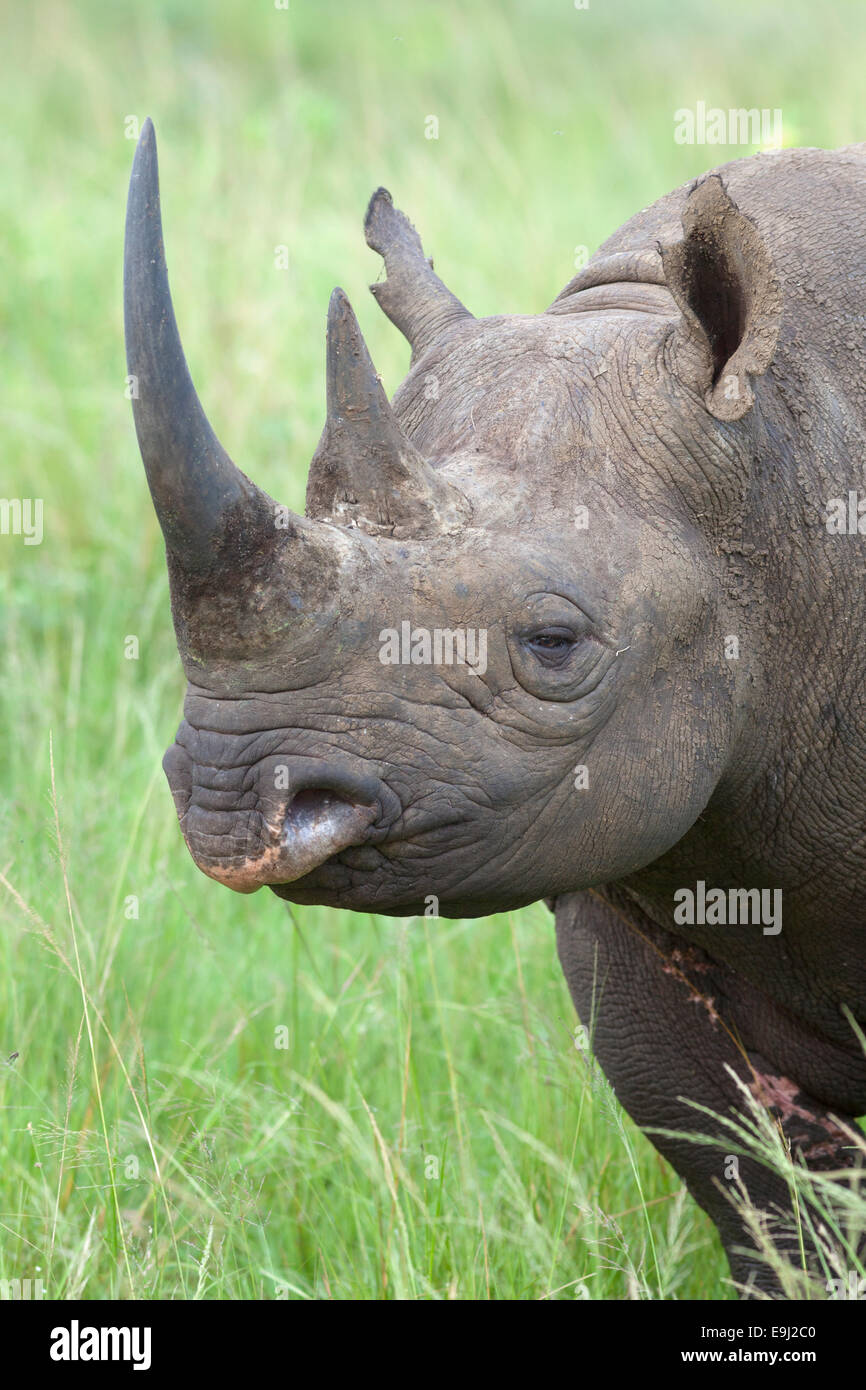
[552, 645]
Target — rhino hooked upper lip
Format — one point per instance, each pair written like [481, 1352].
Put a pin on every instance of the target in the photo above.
[297, 812]
[317, 825]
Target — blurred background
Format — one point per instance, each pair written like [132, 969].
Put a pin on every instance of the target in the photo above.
[213, 1096]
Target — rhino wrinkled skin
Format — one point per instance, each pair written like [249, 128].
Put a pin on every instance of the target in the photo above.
[627, 494]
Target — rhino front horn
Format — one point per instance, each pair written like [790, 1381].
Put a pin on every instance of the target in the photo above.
[204, 503]
[365, 471]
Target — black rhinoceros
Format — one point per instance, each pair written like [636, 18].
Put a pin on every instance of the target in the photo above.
[578, 617]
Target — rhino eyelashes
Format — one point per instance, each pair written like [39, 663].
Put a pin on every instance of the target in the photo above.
[553, 646]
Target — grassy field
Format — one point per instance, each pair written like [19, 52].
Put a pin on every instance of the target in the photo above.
[214, 1097]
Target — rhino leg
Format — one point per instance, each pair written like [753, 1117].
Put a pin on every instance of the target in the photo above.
[655, 1010]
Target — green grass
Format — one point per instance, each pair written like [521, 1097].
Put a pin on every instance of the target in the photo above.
[430, 1130]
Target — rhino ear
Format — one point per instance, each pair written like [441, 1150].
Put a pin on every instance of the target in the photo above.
[723, 281]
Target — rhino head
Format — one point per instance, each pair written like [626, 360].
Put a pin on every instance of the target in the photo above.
[543, 499]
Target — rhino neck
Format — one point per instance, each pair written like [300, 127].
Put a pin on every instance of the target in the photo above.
[776, 821]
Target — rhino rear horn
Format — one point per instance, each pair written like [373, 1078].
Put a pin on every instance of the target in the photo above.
[205, 504]
[366, 472]
[413, 296]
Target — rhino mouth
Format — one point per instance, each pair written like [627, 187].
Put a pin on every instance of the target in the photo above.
[390, 870]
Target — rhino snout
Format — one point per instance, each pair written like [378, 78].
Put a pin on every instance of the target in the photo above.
[306, 810]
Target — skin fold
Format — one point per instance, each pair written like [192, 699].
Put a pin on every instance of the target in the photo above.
[626, 498]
